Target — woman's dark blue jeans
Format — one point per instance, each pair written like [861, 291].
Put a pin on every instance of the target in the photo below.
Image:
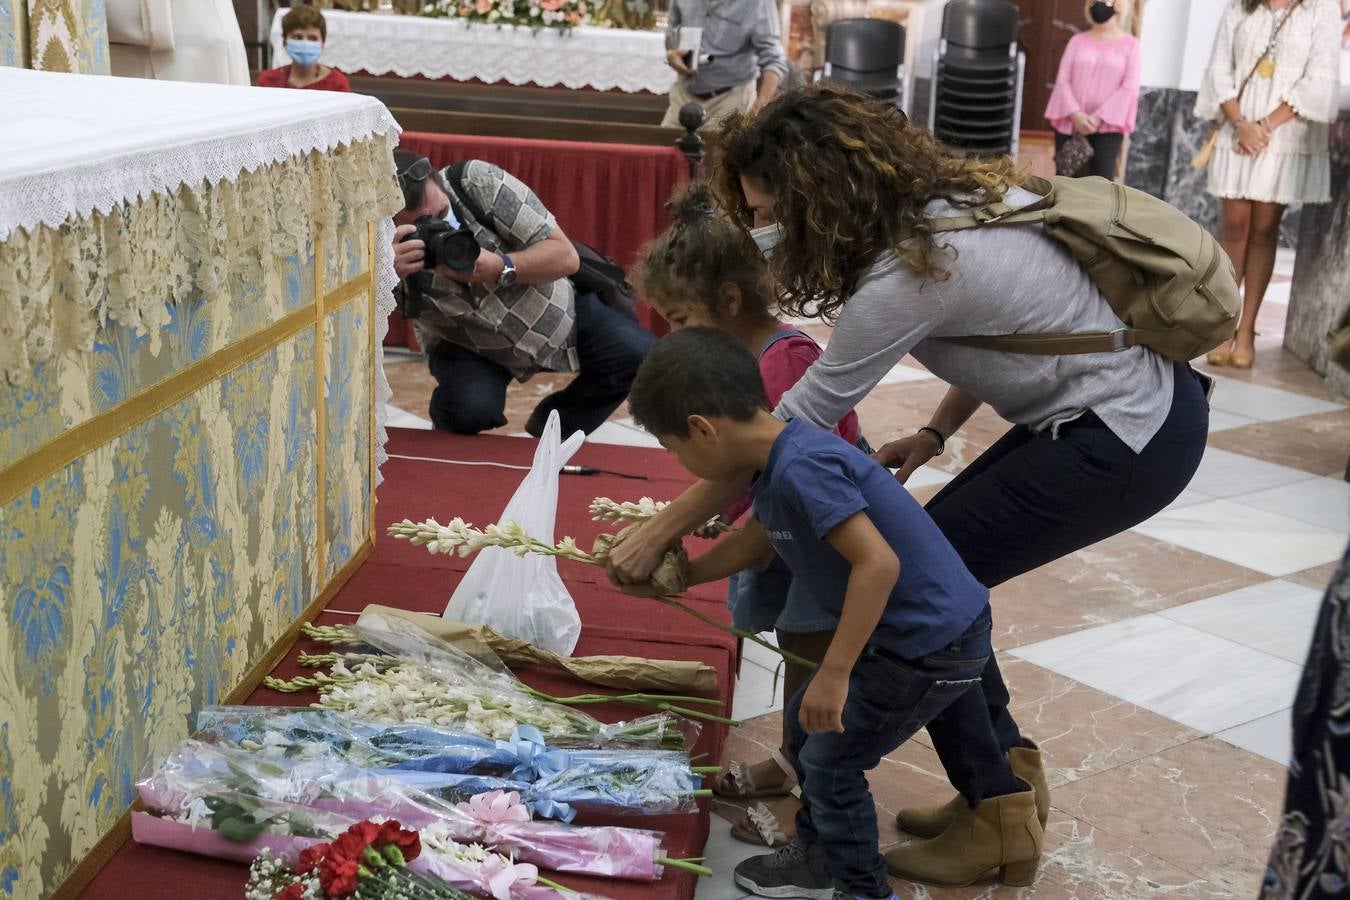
[1031, 499]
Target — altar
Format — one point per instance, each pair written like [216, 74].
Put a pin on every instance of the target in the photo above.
[587, 57]
[194, 281]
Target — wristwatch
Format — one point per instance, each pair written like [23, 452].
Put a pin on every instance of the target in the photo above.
[508, 276]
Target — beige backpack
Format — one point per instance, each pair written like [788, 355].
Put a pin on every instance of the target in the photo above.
[1165, 276]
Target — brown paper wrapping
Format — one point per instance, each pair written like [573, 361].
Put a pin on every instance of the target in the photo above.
[629, 673]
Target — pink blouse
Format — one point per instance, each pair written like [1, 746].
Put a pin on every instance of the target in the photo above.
[1097, 78]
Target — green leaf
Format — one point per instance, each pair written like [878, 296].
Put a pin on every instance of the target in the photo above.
[240, 829]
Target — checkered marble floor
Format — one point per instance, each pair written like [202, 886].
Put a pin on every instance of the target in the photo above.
[1156, 669]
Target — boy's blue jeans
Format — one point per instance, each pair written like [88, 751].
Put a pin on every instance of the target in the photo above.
[889, 699]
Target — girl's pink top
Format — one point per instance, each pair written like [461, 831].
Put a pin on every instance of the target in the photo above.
[1097, 78]
[782, 366]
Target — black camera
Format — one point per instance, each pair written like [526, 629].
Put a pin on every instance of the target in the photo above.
[455, 248]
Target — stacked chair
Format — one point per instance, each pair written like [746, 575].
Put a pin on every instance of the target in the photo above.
[975, 101]
[867, 54]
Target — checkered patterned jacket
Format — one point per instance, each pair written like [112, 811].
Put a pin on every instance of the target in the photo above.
[525, 328]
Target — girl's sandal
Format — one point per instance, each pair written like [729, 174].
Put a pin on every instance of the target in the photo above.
[760, 828]
[738, 782]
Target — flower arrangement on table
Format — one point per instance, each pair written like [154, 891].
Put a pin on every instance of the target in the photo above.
[417, 678]
[561, 15]
[553, 782]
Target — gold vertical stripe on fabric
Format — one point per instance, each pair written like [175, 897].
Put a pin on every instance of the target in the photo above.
[320, 419]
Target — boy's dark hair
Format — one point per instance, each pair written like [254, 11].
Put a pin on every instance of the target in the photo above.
[695, 372]
[701, 251]
[304, 17]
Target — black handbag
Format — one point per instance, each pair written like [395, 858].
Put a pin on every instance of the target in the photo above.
[1073, 156]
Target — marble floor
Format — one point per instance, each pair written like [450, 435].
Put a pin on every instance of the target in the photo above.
[1156, 669]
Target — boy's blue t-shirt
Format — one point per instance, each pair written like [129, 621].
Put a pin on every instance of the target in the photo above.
[813, 481]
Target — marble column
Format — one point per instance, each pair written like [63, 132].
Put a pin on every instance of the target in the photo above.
[1321, 288]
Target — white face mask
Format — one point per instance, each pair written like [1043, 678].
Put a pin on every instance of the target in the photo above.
[767, 238]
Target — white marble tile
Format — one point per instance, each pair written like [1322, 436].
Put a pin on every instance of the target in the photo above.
[1223, 473]
[397, 418]
[624, 435]
[1221, 420]
[756, 694]
[1324, 502]
[1276, 617]
[723, 854]
[1187, 675]
[927, 476]
[1189, 497]
[762, 656]
[903, 373]
[1273, 544]
[1266, 404]
[1269, 736]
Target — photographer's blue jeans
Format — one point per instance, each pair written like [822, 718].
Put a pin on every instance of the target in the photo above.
[889, 699]
[471, 391]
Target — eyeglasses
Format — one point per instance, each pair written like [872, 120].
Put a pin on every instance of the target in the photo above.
[417, 172]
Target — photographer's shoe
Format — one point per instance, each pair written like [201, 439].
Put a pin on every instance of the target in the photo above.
[793, 871]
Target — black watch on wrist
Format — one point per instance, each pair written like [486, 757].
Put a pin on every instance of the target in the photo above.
[508, 276]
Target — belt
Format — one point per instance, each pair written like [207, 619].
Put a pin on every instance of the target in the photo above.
[711, 94]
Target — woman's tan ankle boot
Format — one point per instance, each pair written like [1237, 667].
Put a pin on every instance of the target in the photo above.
[930, 821]
[1002, 833]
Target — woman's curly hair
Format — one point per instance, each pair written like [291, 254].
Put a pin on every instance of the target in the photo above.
[850, 177]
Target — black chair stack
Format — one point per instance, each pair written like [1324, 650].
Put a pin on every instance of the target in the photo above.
[976, 94]
[867, 54]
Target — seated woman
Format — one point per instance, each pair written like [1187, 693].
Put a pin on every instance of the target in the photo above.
[305, 32]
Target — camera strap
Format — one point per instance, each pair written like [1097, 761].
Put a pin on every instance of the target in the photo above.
[454, 179]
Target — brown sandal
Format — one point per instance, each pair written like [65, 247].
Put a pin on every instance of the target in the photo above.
[760, 827]
[736, 782]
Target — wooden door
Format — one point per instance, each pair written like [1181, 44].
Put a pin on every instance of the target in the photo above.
[1046, 27]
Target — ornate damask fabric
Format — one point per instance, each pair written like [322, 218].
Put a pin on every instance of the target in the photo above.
[67, 35]
[144, 578]
[13, 33]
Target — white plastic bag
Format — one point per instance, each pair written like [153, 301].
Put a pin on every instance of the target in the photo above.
[523, 597]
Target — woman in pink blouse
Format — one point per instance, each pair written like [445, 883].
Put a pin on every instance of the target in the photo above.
[1097, 91]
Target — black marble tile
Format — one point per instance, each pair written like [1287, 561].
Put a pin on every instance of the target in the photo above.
[1150, 153]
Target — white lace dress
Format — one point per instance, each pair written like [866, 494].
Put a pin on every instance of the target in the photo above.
[1294, 167]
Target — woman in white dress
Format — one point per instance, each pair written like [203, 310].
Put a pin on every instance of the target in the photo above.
[1272, 149]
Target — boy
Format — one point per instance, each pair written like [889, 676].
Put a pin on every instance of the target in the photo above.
[914, 624]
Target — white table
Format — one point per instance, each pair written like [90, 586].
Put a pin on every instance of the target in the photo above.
[599, 58]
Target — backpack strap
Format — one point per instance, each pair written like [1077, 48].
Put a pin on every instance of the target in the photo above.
[782, 335]
[1002, 213]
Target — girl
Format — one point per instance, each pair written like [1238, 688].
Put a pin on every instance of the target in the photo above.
[704, 270]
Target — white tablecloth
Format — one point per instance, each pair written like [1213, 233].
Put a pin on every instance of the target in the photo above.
[599, 58]
[73, 144]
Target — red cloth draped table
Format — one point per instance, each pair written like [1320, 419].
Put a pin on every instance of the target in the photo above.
[611, 196]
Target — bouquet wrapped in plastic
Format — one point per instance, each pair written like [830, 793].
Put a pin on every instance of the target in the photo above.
[182, 783]
[554, 783]
[419, 679]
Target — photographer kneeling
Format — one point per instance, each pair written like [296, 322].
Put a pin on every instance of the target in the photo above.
[485, 272]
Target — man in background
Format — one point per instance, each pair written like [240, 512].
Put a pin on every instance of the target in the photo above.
[738, 63]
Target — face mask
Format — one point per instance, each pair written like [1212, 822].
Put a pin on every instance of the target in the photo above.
[304, 53]
[767, 238]
[1101, 12]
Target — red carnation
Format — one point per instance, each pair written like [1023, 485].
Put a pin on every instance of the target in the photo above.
[368, 831]
[310, 857]
[408, 842]
[295, 891]
[337, 876]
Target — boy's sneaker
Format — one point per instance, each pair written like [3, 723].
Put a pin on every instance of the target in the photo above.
[794, 871]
